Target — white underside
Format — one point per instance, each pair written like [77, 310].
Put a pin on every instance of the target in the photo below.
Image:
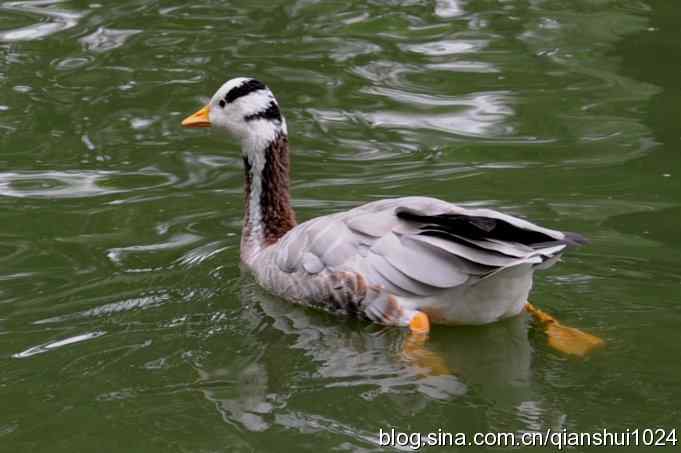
[489, 300]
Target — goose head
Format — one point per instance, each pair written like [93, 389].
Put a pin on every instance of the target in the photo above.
[246, 109]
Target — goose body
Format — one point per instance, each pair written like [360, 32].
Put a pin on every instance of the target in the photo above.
[400, 261]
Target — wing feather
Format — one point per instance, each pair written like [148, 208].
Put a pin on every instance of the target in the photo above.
[480, 256]
[418, 245]
[423, 264]
[391, 274]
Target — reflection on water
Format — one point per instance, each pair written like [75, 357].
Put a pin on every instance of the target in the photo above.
[368, 363]
[107, 309]
[482, 115]
[447, 47]
[117, 255]
[449, 8]
[57, 344]
[58, 19]
[105, 39]
[75, 184]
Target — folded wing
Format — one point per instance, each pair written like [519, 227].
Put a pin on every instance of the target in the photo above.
[418, 246]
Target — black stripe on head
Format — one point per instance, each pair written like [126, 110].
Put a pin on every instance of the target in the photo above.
[271, 113]
[245, 88]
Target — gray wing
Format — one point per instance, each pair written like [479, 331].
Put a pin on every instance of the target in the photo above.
[416, 246]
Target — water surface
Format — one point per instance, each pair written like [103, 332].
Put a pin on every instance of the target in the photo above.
[125, 324]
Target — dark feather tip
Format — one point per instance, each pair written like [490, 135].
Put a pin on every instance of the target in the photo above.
[575, 239]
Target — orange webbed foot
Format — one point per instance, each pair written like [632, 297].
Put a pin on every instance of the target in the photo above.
[565, 339]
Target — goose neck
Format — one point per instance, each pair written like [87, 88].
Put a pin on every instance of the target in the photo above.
[268, 211]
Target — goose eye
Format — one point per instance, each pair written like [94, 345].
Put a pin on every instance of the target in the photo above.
[222, 103]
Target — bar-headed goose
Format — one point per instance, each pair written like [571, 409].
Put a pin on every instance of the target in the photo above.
[401, 261]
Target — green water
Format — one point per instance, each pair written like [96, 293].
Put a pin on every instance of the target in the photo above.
[124, 323]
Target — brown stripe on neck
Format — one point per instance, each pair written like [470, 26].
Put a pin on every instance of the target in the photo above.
[248, 184]
[278, 216]
[275, 201]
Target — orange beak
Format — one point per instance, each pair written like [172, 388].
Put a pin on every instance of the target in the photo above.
[198, 119]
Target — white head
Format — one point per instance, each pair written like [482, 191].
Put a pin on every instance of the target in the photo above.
[246, 109]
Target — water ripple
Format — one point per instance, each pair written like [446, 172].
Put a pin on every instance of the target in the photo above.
[118, 254]
[449, 8]
[76, 184]
[107, 309]
[118, 223]
[46, 347]
[447, 47]
[200, 254]
[105, 39]
[59, 20]
[482, 114]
